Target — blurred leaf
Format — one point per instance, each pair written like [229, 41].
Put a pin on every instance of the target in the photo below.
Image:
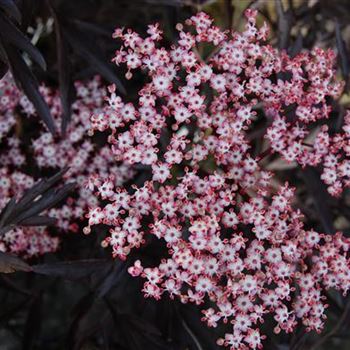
[27, 81]
[40, 220]
[188, 319]
[64, 72]
[12, 35]
[169, 2]
[7, 211]
[84, 47]
[91, 28]
[195, 340]
[9, 284]
[11, 9]
[81, 310]
[11, 311]
[29, 8]
[111, 279]
[10, 263]
[134, 327]
[343, 54]
[297, 46]
[33, 323]
[3, 56]
[3, 69]
[284, 25]
[320, 198]
[71, 270]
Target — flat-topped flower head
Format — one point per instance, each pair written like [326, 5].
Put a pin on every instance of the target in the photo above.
[230, 237]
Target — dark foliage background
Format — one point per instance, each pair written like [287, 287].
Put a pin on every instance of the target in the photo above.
[79, 298]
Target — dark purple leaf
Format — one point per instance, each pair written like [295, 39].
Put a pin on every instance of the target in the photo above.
[10, 263]
[71, 270]
[167, 2]
[7, 211]
[284, 25]
[64, 72]
[297, 45]
[12, 35]
[3, 55]
[133, 326]
[40, 197]
[343, 54]
[33, 323]
[320, 198]
[87, 51]
[29, 8]
[192, 335]
[12, 311]
[39, 220]
[91, 28]
[111, 279]
[9, 284]
[51, 198]
[40, 188]
[3, 69]
[11, 9]
[81, 310]
[27, 81]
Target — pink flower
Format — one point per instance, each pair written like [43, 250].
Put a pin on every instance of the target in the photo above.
[231, 236]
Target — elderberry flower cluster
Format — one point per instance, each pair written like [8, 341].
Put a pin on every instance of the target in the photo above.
[233, 245]
[80, 153]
